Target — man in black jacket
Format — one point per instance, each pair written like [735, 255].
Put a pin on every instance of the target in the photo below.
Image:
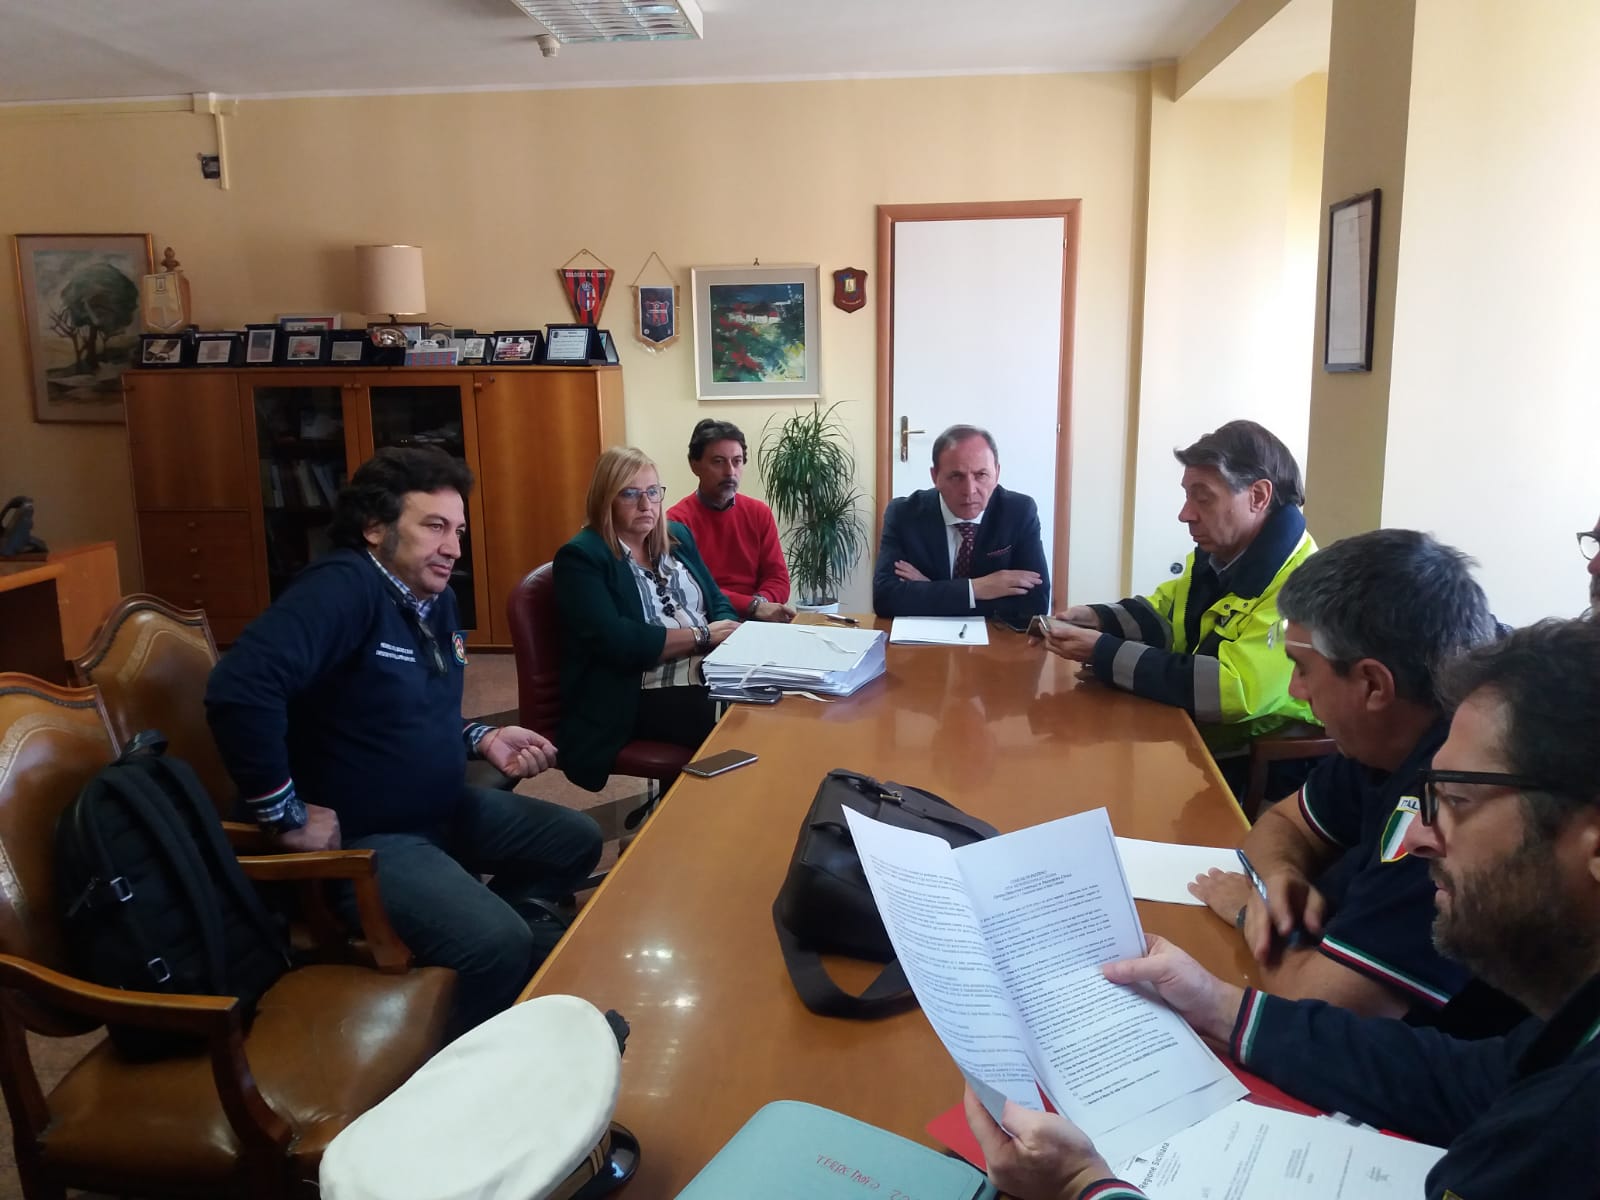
[1509, 816]
[338, 714]
[964, 547]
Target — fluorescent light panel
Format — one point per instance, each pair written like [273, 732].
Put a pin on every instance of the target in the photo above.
[616, 20]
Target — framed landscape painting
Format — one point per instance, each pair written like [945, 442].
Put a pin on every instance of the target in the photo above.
[755, 333]
[80, 310]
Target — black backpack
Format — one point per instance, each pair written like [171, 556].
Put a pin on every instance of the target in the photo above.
[153, 899]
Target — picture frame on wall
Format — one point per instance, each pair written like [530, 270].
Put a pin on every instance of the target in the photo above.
[80, 314]
[756, 332]
[307, 322]
[1352, 282]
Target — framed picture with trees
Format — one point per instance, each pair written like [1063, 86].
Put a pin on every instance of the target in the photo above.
[80, 312]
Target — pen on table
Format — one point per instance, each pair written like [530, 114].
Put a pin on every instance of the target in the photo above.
[1295, 938]
[963, 631]
[838, 620]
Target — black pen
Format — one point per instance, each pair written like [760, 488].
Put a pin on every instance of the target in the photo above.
[1295, 938]
[838, 620]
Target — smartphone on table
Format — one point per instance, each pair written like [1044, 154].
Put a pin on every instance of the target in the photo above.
[717, 764]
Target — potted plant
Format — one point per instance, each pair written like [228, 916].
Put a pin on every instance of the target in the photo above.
[810, 477]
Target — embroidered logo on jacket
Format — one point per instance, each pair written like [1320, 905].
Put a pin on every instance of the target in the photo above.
[458, 640]
[1391, 848]
[403, 654]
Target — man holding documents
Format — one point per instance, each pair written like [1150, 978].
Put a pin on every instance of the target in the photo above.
[1509, 821]
[1367, 624]
[964, 547]
[1199, 641]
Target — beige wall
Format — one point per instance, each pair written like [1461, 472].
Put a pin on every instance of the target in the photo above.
[1369, 86]
[1235, 192]
[1494, 410]
[501, 188]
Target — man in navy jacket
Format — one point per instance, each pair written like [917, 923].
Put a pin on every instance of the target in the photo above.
[964, 547]
[1509, 819]
[338, 714]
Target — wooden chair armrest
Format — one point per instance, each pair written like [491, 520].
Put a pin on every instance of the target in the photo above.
[212, 1019]
[386, 951]
[247, 838]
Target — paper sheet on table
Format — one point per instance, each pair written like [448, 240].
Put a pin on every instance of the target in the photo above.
[1248, 1152]
[1163, 871]
[939, 631]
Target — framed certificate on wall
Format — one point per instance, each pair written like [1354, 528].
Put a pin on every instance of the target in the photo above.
[1352, 283]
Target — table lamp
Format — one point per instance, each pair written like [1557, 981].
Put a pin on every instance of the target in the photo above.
[391, 281]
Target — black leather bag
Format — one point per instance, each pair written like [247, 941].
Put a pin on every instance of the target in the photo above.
[825, 905]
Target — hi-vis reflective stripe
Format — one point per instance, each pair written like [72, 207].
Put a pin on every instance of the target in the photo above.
[1391, 847]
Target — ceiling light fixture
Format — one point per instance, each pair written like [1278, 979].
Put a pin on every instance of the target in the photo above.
[616, 20]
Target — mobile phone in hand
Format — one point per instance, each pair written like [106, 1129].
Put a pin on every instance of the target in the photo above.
[716, 764]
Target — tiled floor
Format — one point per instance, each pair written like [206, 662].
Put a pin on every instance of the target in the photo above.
[491, 688]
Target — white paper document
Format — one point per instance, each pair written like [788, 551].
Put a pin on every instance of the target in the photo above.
[1163, 871]
[939, 631]
[1002, 942]
[1250, 1152]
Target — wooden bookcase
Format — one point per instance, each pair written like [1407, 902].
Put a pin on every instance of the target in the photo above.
[234, 471]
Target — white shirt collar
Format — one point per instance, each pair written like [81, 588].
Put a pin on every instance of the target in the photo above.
[951, 519]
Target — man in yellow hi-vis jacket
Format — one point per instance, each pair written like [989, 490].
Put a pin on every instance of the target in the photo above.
[1202, 641]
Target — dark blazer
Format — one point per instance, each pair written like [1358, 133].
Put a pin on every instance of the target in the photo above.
[914, 530]
[607, 645]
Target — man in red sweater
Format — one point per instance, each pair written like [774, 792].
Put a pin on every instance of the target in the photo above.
[736, 535]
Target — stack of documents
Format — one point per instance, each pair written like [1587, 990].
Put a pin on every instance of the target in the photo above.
[939, 631]
[797, 658]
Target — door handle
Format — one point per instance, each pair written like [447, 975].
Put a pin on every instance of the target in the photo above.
[905, 438]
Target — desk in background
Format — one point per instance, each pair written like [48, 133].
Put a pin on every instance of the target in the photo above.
[51, 605]
[679, 938]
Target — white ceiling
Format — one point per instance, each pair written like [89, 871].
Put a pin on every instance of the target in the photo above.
[102, 49]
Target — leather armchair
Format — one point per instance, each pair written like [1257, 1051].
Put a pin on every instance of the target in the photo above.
[251, 1114]
[536, 643]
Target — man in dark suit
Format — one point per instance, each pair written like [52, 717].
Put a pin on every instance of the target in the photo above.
[965, 546]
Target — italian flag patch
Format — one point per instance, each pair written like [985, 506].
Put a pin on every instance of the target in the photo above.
[1394, 833]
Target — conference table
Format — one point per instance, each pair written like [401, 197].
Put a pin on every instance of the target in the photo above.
[679, 936]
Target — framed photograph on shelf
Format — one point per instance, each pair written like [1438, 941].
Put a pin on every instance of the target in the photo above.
[160, 350]
[306, 322]
[516, 346]
[260, 345]
[347, 351]
[80, 316]
[571, 345]
[1352, 283]
[304, 349]
[756, 333]
[608, 347]
[474, 349]
[217, 349]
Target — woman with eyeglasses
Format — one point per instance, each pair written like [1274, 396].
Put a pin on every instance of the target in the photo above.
[639, 611]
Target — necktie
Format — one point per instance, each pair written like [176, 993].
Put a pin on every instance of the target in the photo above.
[969, 535]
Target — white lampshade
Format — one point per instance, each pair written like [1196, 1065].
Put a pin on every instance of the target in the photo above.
[391, 279]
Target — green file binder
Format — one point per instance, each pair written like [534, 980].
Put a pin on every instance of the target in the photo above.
[795, 1151]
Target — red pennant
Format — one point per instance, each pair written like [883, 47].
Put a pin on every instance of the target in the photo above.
[586, 291]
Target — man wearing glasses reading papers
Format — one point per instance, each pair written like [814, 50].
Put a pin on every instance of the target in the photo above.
[1368, 623]
[338, 714]
[1508, 821]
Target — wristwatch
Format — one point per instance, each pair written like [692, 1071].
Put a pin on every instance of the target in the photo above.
[755, 605]
[702, 637]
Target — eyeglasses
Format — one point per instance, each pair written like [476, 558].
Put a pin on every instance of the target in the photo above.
[631, 495]
[1431, 779]
[1278, 635]
[1588, 542]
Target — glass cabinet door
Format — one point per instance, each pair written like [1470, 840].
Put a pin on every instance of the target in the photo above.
[301, 446]
[429, 415]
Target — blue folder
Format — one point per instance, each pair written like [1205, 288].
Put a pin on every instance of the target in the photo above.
[795, 1151]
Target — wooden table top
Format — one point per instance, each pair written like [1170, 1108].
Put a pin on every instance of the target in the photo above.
[21, 573]
[679, 937]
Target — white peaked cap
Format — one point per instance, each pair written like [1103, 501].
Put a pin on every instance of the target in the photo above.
[505, 1112]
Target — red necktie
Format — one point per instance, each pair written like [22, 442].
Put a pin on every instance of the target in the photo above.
[969, 535]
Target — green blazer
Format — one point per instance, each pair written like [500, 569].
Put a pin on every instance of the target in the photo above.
[607, 646]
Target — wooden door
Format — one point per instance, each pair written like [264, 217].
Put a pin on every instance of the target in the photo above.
[185, 440]
[540, 431]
